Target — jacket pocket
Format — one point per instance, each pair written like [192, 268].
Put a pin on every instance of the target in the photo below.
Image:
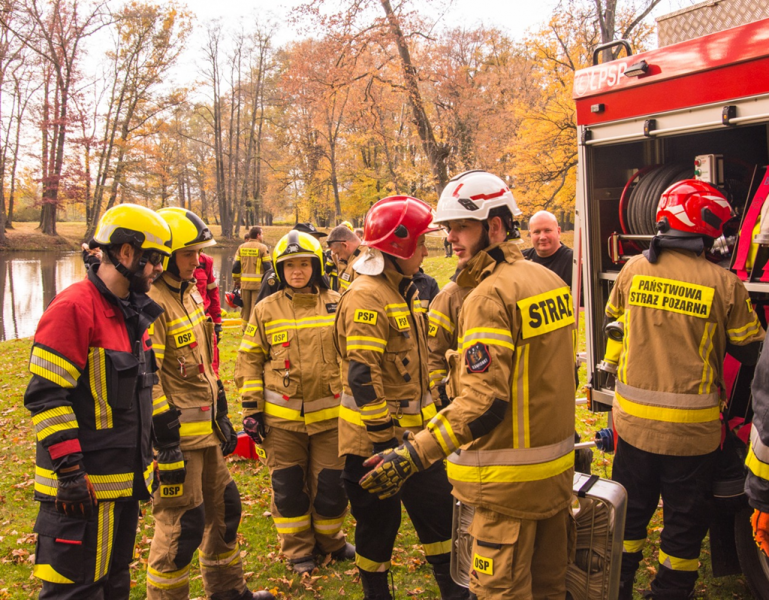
[122, 376]
[60, 547]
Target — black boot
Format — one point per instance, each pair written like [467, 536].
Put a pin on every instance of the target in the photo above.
[625, 590]
[449, 589]
[375, 585]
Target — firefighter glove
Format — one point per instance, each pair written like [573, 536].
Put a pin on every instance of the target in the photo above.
[75, 495]
[760, 523]
[445, 400]
[171, 466]
[165, 426]
[253, 425]
[218, 330]
[230, 437]
[391, 469]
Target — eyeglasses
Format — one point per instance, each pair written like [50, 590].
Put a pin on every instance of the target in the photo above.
[154, 257]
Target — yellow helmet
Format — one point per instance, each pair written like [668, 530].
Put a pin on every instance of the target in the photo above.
[188, 229]
[348, 225]
[296, 244]
[133, 224]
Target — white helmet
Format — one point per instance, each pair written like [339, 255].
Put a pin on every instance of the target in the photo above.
[471, 195]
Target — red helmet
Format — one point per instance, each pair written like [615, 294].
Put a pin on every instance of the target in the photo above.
[233, 299]
[693, 206]
[393, 225]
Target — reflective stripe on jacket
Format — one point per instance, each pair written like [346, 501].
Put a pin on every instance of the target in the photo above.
[510, 431]
[91, 390]
[442, 329]
[679, 313]
[182, 339]
[757, 482]
[251, 258]
[288, 367]
[381, 338]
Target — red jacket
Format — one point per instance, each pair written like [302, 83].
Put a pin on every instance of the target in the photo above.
[208, 288]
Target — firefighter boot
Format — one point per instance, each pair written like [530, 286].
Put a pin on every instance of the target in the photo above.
[375, 585]
[246, 594]
[346, 552]
[625, 590]
[449, 589]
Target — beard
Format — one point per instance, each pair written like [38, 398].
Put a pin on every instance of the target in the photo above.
[140, 283]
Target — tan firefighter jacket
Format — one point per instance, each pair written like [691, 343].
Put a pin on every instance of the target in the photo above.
[678, 314]
[381, 337]
[251, 257]
[287, 365]
[347, 276]
[182, 338]
[442, 334]
[514, 418]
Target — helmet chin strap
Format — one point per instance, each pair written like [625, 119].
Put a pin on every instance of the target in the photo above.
[125, 271]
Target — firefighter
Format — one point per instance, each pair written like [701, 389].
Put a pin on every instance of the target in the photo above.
[345, 247]
[679, 312]
[197, 504]
[381, 337]
[757, 482]
[514, 415]
[288, 376]
[91, 402]
[209, 291]
[247, 270]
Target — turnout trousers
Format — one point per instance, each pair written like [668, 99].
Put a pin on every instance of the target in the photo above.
[249, 299]
[428, 501]
[86, 559]
[685, 484]
[520, 559]
[308, 499]
[203, 513]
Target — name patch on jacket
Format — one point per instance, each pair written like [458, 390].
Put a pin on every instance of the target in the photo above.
[346, 276]
[432, 330]
[402, 323]
[331, 307]
[546, 312]
[483, 565]
[365, 316]
[171, 491]
[184, 339]
[671, 295]
[279, 338]
[251, 329]
[477, 358]
[249, 251]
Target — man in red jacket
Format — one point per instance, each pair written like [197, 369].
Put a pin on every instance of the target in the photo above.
[209, 290]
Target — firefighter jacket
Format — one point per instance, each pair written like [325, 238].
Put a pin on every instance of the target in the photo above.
[331, 268]
[91, 390]
[678, 315]
[288, 367]
[183, 342]
[347, 276]
[381, 337]
[442, 333]
[757, 482]
[511, 429]
[249, 264]
[208, 288]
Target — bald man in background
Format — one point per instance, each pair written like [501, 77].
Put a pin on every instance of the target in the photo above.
[547, 248]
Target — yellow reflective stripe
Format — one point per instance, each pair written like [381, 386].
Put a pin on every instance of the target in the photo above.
[186, 322]
[52, 420]
[104, 536]
[678, 564]
[168, 581]
[612, 310]
[327, 526]
[171, 466]
[286, 525]
[370, 565]
[398, 309]
[409, 420]
[437, 375]
[440, 421]
[107, 487]
[633, 545]
[429, 411]
[97, 377]
[44, 433]
[744, 332]
[149, 477]
[438, 318]
[305, 323]
[756, 466]
[257, 278]
[622, 371]
[59, 411]
[667, 415]
[48, 573]
[321, 415]
[344, 284]
[706, 347]
[510, 473]
[219, 561]
[200, 428]
[364, 342]
[520, 397]
[377, 410]
[488, 335]
[351, 416]
[159, 405]
[54, 368]
[289, 414]
[249, 346]
[436, 548]
[252, 385]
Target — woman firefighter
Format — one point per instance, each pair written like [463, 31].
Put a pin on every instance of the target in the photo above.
[288, 375]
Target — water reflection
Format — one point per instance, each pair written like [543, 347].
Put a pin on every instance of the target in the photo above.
[29, 281]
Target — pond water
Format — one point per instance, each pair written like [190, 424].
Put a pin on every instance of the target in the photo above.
[30, 280]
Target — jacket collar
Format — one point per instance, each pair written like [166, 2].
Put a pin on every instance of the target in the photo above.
[483, 264]
[136, 306]
[180, 287]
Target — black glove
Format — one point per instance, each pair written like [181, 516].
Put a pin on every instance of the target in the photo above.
[253, 425]
[445, 400]
[172, 467]
[218, 329]
[75, 495]
[391, 469]
[223, 421]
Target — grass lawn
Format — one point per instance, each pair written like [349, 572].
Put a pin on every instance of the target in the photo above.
[259, 545]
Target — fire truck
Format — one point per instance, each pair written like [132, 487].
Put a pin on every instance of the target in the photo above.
[696, 108]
